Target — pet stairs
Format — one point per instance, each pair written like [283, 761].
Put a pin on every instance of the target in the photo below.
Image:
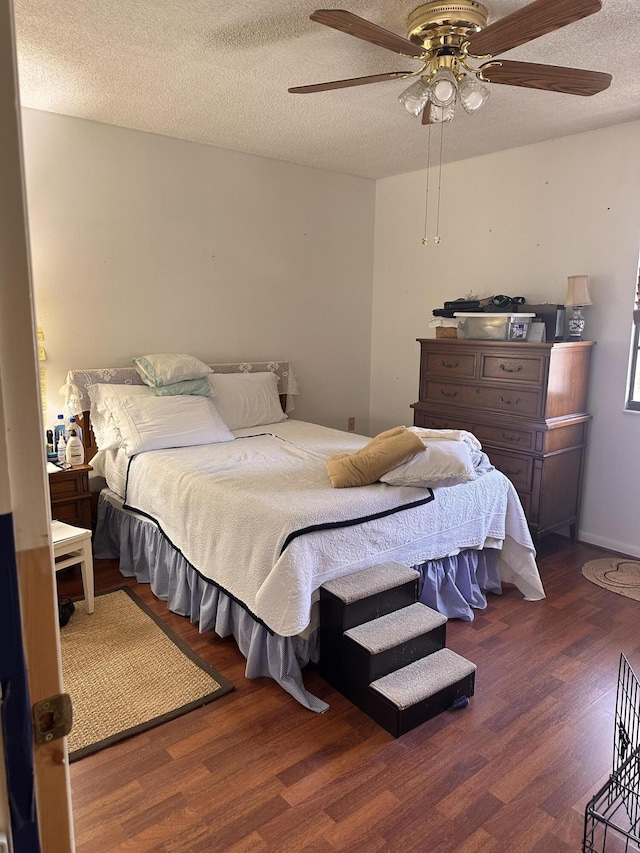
[385, 651]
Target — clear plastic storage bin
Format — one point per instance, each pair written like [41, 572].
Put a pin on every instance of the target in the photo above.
[493, 327]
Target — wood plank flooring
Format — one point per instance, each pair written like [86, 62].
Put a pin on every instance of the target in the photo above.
[255, 772]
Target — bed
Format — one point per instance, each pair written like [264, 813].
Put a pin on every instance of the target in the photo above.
[238, 535]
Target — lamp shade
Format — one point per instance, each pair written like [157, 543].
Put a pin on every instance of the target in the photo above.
[472, 94]
[414, 98]
[443, 87]
[578, 291]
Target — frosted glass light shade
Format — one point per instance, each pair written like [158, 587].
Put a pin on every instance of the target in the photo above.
[578, 291]
[443, 88]
[415, 97]
[473, 94]
[440, 114]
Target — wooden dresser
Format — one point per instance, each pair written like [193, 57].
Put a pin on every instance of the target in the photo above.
[526, 402]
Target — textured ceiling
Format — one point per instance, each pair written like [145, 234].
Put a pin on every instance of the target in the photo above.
[217, 72]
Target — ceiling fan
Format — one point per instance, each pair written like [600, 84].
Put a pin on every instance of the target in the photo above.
[448, 37]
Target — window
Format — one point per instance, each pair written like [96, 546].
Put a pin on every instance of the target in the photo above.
[633, 401]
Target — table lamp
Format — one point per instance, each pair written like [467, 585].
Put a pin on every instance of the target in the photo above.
[577, 296]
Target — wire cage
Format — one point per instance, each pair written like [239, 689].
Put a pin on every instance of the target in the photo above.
[612, 816]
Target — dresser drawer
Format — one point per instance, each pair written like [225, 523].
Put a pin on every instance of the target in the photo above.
[518, 439]
[75, 512]
[435, 421]
[509, 368]
[519, 469]
[66, 484]
[511, 401]
[458, 365]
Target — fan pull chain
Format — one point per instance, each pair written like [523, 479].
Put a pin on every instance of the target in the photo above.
[436, 239]
[425, 239]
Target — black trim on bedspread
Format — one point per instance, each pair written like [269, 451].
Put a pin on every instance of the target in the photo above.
[350, 522]
[328, 525]
[197, 571]
[312, 528]
[222, 589]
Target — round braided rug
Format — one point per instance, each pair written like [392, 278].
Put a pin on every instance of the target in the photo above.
[616, 574]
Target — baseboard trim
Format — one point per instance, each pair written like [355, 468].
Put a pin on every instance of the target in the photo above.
[623, 548]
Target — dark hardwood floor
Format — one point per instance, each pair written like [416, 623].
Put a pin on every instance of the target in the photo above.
[254, 771]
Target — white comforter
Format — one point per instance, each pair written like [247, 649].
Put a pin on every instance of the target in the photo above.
[230, 507]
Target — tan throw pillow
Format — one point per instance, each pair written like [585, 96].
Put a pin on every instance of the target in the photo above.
[384, 452]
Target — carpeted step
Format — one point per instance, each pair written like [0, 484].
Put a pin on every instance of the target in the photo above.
[414, 694]
[380, 646]
[365, 595]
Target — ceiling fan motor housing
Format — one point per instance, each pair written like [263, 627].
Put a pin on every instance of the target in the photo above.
[448, 26]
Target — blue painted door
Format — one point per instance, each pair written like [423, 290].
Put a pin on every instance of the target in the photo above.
[15, 709]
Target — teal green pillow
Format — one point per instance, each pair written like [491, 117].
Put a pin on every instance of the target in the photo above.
[167, 367]
[199, 387]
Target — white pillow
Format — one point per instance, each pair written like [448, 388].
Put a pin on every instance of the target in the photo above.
[165, 368]
[155, 423]
[102, 423]
[443, 463]
[247, 399]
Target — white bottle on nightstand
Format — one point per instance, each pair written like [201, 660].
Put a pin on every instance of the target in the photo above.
[60, 430]
[62, 450]
[73, 424]
[75, 450]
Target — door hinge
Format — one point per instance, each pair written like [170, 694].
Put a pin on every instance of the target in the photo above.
[52, 718]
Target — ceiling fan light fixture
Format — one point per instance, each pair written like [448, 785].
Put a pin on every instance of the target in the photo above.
[473, 94]
[443, 88]
[414, 98]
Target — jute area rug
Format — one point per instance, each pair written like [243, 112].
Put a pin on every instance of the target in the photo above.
[126, 672]
[616, 574]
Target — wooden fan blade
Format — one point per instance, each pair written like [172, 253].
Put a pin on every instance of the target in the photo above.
[551, 78]
[353, 81]
[528, 23]
[426, 113]
[359, 27]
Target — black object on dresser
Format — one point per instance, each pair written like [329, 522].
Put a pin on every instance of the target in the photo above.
[526, 403]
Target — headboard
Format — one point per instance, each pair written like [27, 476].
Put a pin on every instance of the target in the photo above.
[77, 402]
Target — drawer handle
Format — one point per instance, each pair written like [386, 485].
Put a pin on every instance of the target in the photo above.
[512, 438]
[511, 369]
[452, 366]
[510, 402]
[512, 473]
[446, 394]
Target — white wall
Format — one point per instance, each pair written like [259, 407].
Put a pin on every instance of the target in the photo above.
[143, 243]
[520, 222]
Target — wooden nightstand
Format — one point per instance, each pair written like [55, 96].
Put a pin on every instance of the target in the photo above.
[70, 496]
